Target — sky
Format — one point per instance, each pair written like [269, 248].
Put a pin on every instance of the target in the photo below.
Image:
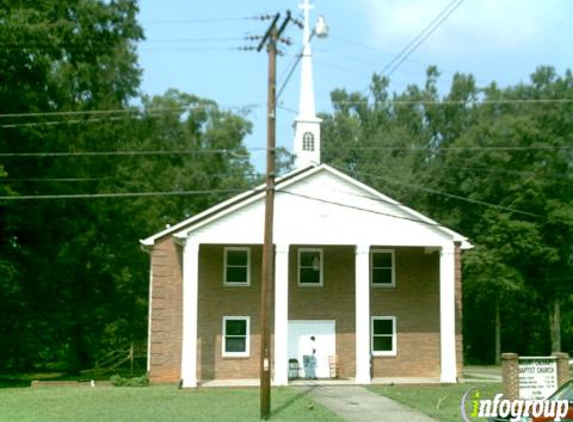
[193, 46]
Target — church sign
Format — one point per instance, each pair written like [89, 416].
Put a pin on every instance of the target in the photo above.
[537, 377]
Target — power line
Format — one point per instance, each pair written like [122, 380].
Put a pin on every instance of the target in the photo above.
[55, 179]
[124, 111]
[368, 47]
[103, 46]
[421, 37]
[355, 207]
[291, 69]
[140, 48]
[349, 56]
[559, 178]
[126, 153]
[417, 148]
[205, 20]
[64, 22]
[449, 195]
[118, 195]
[190, 40]
[466, 103]
[287, 109]
[155, 111]
[432, 191]
[444, 103]
[340, 68]
[378, 50]
[61, 122]
[99, 179]
[107, 115]
[189, 49]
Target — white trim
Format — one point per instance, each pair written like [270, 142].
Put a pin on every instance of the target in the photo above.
[393, 268]
[447, 315]
[394, 351]
[281, 315]
[298, 267]
[234, 283]
[190, 314]
[247, 351]
[362, 307]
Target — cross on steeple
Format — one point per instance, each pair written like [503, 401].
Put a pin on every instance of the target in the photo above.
[306, 7]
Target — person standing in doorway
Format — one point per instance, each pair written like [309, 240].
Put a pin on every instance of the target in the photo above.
[309, 359]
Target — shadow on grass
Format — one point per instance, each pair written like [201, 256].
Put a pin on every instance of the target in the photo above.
[291, 401]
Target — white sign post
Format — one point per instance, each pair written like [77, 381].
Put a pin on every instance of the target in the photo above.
[537, 377]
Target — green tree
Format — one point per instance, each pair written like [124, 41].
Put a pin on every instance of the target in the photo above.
[59, 57]
[495, 165]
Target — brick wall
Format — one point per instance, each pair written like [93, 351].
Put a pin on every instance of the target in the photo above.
[333, 301]
[217, 301]
[415, 304]
[166, 312]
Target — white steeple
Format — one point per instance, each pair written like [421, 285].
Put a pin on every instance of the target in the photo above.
[306, 125]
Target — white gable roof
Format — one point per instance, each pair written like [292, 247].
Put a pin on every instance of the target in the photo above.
[315, 206]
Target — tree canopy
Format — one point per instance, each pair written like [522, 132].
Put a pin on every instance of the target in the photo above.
[86, 174]
[491, 163]
[89, 165]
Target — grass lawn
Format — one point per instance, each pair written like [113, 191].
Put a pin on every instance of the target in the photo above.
[440, 402]
[156, 403]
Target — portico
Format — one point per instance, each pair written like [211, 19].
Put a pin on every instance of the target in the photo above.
[346, 282]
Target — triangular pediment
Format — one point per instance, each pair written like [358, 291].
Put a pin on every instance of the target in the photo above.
[318, 205]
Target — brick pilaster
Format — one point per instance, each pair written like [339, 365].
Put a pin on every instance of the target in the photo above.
[510, 375]
[562, 367]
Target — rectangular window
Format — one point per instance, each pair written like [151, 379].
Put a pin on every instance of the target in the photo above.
[310, 267]
[236, 337]
[237, 271]
[382, 268]
[384, 336]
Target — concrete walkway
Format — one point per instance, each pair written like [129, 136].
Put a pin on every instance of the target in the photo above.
[357, 404]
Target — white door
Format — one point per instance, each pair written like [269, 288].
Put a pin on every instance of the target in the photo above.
[324, 332]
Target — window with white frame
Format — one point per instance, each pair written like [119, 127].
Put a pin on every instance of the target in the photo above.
[236, 336]
[382, 268]
[237, 268]
[310, 267]
[383, 336]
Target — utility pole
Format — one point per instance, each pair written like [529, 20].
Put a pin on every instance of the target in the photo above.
[271, 39]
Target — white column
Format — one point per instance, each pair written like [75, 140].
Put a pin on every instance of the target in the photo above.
[447, 315]
[281, 315]
[362, 281]
[190, 296]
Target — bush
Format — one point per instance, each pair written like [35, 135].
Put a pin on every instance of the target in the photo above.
[119, 381]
